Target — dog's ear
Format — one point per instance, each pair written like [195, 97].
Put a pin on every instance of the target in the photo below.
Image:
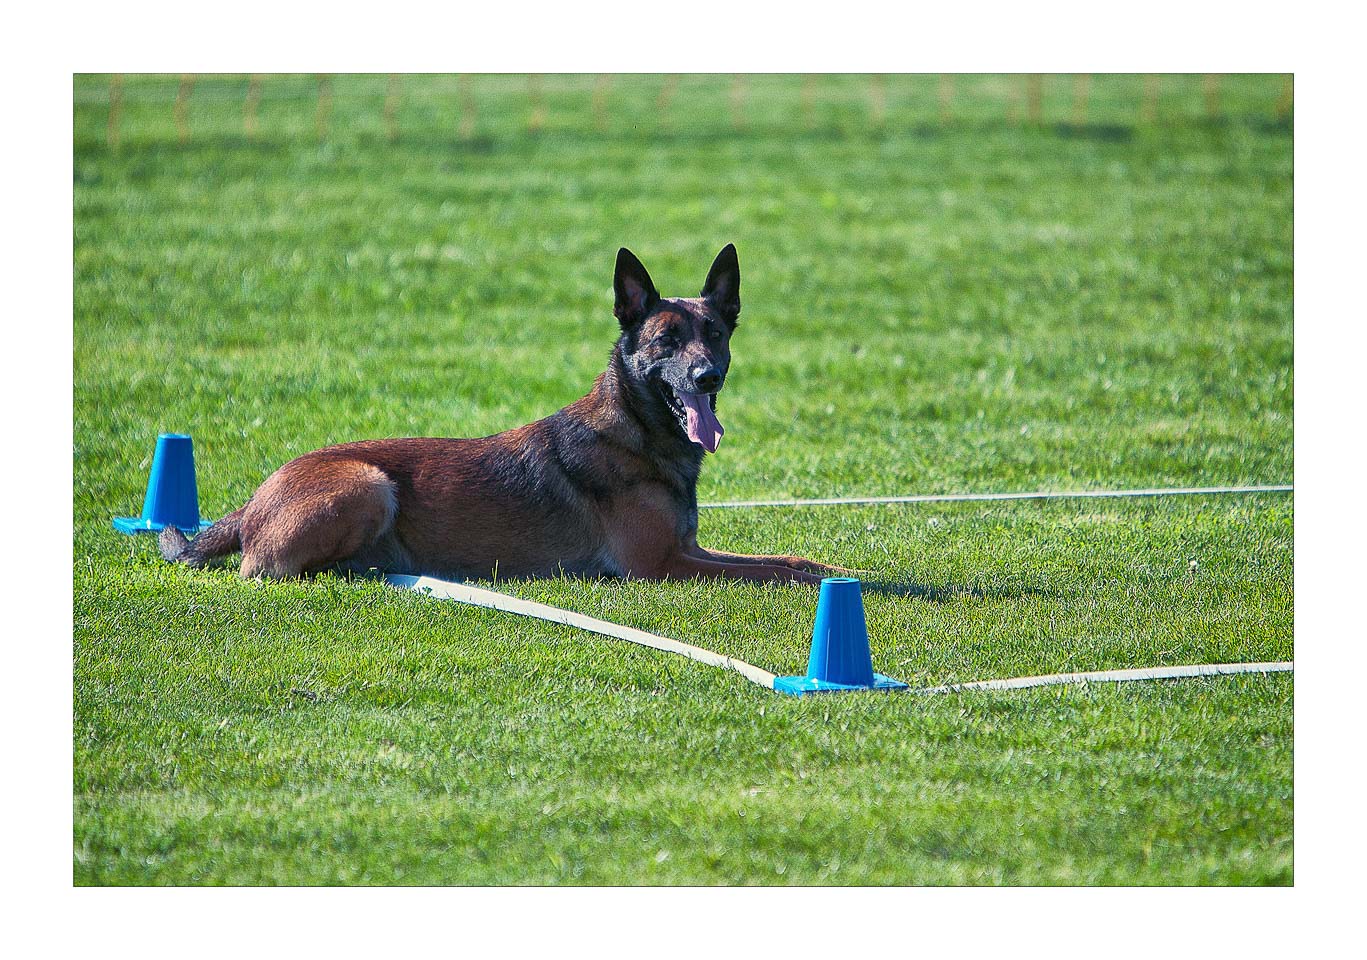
[636, 294]
[722, 289]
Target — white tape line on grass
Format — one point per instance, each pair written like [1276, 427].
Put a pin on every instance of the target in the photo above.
[479, 597]
[1037, 495]
[1117, 676]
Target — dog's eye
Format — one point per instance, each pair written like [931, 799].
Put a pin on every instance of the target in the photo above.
[714, 334]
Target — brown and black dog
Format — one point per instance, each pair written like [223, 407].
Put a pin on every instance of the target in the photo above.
[605, 487]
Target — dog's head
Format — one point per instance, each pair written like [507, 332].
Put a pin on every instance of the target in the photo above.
[680, 347]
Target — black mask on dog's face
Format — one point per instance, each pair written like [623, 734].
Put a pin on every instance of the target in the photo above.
[681, 345]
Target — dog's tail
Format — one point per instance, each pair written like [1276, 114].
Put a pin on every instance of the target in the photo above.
[219, 540]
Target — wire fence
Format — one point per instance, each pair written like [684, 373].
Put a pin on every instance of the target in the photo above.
[324, 107]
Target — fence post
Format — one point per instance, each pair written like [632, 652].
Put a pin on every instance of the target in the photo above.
[1034, 97]
[738, 101]
[600, 101]
[878, 99]
[666, 97]
[1081, 82]
[187, 84]
[323, 116]
[1286, 102]
[391, 108]
[537, 118]
[809, 101]
[946, 98]
[111, 129]
[249, 107]
[467, 108]
[1210, 84]
[1148, 111]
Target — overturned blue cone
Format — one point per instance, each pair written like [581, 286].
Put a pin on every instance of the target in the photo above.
[172, 498]
[840, 658]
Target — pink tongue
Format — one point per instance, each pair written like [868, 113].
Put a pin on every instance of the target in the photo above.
[703, 427]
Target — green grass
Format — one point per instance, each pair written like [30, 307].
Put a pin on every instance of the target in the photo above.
[977, 305]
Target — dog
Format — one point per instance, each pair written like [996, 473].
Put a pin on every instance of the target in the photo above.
[606, 487]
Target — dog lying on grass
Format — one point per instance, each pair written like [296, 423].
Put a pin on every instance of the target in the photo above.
[605, 487]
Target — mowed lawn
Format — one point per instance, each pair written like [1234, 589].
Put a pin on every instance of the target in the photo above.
[931, 304]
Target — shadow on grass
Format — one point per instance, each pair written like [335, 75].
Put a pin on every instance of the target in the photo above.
[1103, 132]
[886, 586]
[945, 593]
[142, 145]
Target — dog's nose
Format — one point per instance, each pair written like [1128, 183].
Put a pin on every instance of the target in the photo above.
[707, 379]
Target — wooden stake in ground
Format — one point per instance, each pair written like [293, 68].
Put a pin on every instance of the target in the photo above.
[1081, 83]
[537, 119]
[1287, 101]
[738, 83]
[467, 107]
[600, 101]
[249, 107]
[1210, 86]
[878, 99]
[946, 97]
[1034, 97]
[1148, 111]
[666, 97]
[809, 101]
[391, 108]
[111, 128]
[187, 84]
[323, 116]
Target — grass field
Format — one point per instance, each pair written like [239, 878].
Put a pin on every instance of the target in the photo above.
[930, 306]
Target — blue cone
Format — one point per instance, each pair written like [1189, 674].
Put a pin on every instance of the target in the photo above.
[840, 657]
[172, 498]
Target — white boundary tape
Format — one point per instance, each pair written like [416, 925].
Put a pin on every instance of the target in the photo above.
[1036, 495]
[1117, 676]
[479, 597]
[490, 599]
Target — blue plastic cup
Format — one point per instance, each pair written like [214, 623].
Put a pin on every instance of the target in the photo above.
[840, 638]
[839, 659]
[172, 498]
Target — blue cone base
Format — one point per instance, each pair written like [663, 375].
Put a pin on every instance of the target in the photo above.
[141, 525]
[797, 686]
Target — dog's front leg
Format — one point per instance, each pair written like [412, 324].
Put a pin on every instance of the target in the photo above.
[645, 542]
[794, 563]
[684, 566]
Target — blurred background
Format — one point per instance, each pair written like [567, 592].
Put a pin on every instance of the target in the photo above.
[954, 282]
[484, 108]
